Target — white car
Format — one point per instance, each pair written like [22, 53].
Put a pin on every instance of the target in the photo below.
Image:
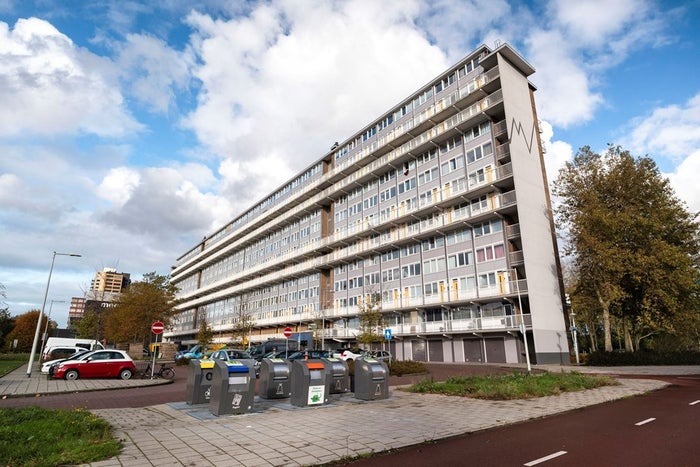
[349, 354]
[46, 366]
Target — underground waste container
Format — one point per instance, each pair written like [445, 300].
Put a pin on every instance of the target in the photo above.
[371, 379]
[199, 377]
[309, 383]
[275, 378]
[337, 375]
[232, 387]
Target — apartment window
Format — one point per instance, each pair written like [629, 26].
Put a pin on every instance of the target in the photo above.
[384, 178]
[459, 260]
[355, 209]
[412, 249]
[390, 275]
[427, 176]
[433, 265]
[390, 255]
[487, 228]
[370, 202]
[433, 288]
[450, 144]
[433, 243]
[427, 156]
[487, 280]
[491, 252]
[372, 278]
[452, 165]
[480, 176]
[460, 210]
[413, 291]
[464, 284]
[388, 194]
[479, 152]
[458, 236]
[410, 270]
[407, 185]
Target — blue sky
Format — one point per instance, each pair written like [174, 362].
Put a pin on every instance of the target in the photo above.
[130, 130]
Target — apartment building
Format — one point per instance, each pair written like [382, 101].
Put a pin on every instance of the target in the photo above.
[439, 210]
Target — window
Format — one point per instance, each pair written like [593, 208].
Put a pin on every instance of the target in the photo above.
[410, 270]
[387, 194]
[427, 156]
[433, 243]
[411, 249]
[459, 260]
[433, 265]
[390, 255]
[452, 165]
[355, 209]
[390, 275]
[384, 178]
[433, 288]
[480, 176]
[458, 236]
[407, 185]
[450, 144]
[479, 152]
[461, 210]
[487, 280]
[372, 278]
[491, 252]
[487, 228]
[427, 176]
[370, 202]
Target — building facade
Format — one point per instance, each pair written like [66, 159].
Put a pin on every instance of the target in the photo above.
[439, 210]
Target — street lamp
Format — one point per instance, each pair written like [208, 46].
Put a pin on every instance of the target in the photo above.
[46, 328]
[573, 335]
[41, 312]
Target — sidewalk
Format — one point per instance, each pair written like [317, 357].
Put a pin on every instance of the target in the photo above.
[18, 384]
[279, 434]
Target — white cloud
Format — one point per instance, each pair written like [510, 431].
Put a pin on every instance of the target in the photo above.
[118, 185]
[684, 181]
[557, 152]
[672, 131]
[49, 86]
[288, 81]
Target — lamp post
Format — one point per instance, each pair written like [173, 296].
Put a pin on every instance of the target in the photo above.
[41, 312]
[573, 335]
[46, 328]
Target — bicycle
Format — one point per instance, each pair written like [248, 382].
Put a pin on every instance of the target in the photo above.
[164, 372]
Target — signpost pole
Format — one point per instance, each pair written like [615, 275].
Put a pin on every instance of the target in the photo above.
[156, 328]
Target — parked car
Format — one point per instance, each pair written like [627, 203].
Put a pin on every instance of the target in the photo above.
[62, 351]
[349, 353]
[97, 364]
[381, 355]
[48, 367]
[309, 354]
[230, 354]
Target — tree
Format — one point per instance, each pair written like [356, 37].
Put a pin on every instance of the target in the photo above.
[371, 319]
[632, 243]
[243, 324]
[7, 322]
[140, 305]
[205, 334]
[25, 327]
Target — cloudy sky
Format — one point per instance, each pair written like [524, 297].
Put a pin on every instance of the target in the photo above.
[129, 130]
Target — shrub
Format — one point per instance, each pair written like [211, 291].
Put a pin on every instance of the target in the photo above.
[407, 367]
[182, 361]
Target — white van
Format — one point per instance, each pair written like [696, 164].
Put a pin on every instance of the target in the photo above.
[52, 342]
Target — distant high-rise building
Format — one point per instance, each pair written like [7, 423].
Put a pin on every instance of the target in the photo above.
[438, 212]
[104, 290]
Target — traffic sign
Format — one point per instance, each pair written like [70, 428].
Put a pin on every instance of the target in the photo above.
[387, 334]
[157, 327]
[287, 332]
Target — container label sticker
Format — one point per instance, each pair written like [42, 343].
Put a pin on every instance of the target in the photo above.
[316, 394]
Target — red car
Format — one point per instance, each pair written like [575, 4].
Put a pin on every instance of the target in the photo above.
[97, 364]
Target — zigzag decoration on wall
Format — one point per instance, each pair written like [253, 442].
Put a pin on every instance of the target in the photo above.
[517, 127]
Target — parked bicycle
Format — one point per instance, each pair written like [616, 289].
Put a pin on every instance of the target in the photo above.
[164, 372]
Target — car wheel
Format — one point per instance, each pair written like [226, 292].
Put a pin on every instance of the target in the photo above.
[71, 375]
[125, 374]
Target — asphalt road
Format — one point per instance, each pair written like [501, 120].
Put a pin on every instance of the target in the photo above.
[656, 429]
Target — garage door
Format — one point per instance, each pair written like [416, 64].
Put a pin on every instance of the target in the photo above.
[435, 351]
[418, 350]
[472, 350]
[495, 350]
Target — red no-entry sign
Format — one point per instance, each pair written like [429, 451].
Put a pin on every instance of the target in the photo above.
[157, 327]
[287, 332]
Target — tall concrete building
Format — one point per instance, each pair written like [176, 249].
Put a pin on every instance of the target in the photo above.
[439, 210]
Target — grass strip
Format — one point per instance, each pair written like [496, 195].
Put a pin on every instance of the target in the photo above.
[37, 437]
[512, 386]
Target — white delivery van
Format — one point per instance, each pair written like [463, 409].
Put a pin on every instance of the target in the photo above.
[51, 342]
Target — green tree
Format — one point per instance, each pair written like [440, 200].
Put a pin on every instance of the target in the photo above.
[7, 322]
[632, 243]
[139, 306]
[371, 319]
[205, 334]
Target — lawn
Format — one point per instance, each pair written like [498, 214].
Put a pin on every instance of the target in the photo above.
[513, 386]
[11, 361]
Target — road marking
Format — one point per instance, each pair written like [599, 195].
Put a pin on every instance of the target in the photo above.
[644, 422]
[545, 458]
[694, 402]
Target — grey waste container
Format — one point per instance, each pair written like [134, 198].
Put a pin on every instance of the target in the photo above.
[199, 376]
[337, 374]
[371, 379]
[309, 384]
[275, 378]
[233, 387]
